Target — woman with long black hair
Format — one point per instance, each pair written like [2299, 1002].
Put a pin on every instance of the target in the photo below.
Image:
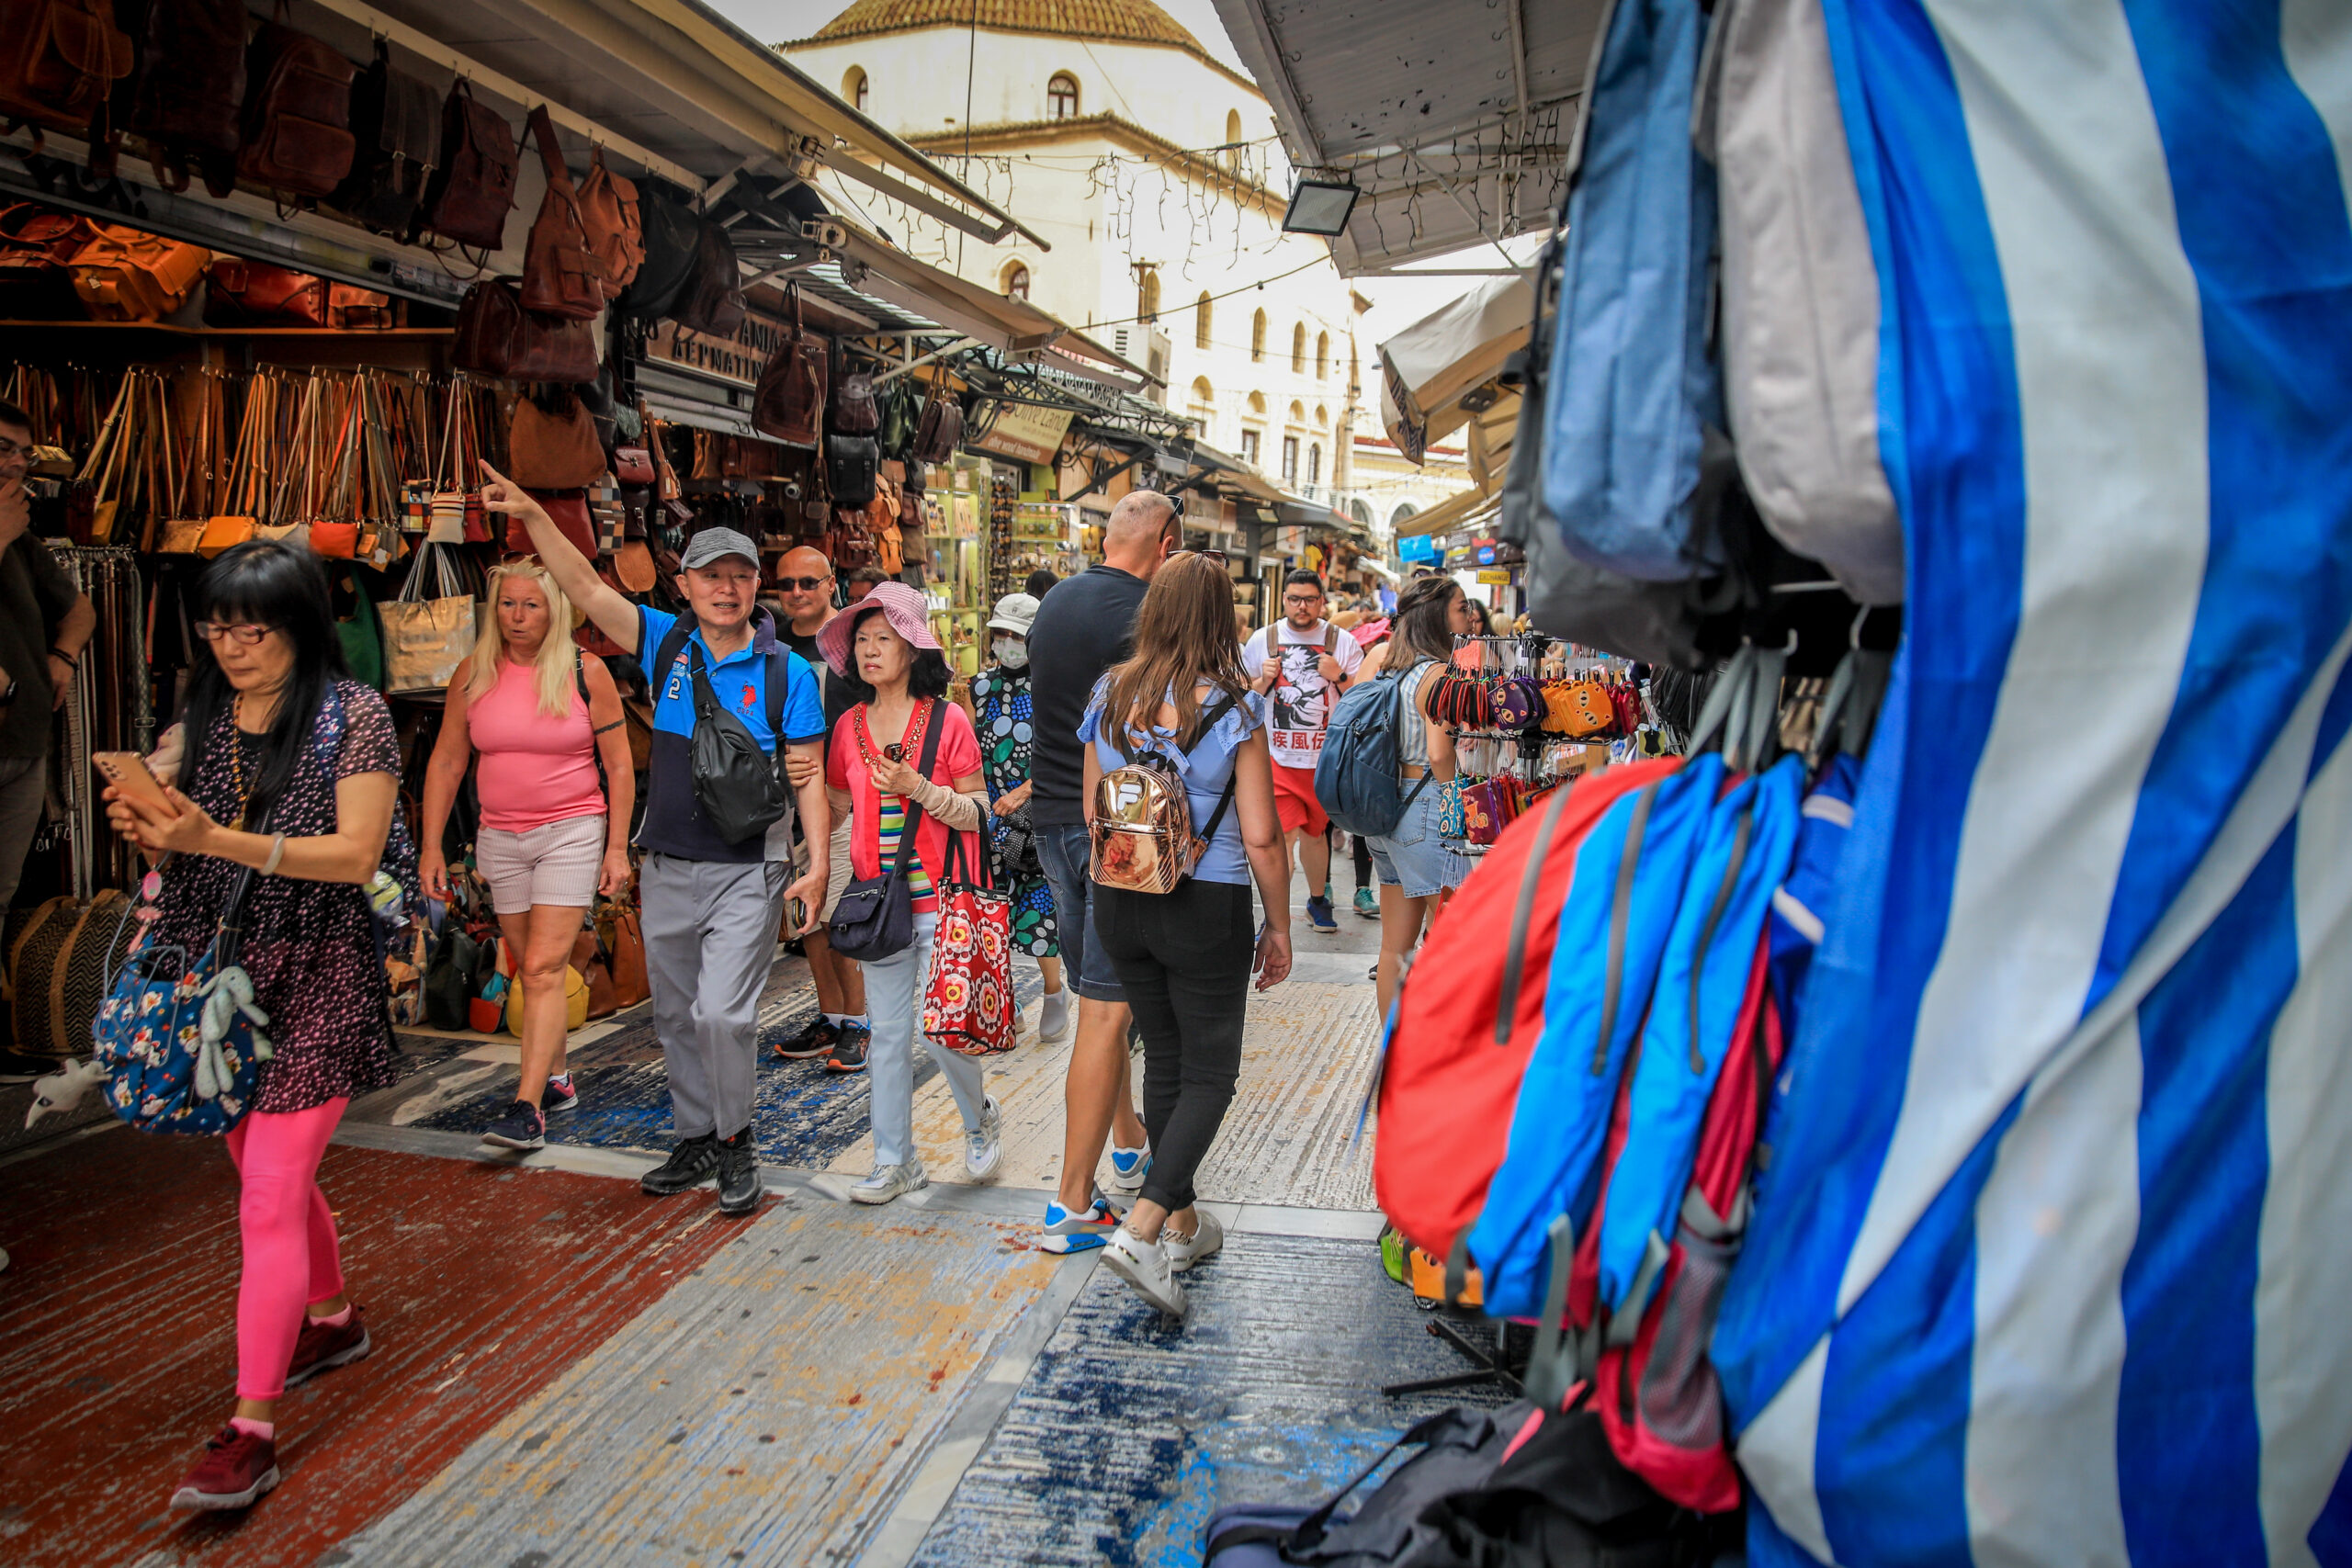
[289, 768]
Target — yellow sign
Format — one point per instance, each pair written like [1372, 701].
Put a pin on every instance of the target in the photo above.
[1494, 574]
[1021, 431]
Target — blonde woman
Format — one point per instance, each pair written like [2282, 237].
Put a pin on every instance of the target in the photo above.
[542, 718]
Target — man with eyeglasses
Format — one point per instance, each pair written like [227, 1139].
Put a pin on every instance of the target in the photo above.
[804, 582]
[45, 622]
[1304, 663]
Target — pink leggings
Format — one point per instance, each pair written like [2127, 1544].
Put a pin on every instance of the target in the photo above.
[291, 1259]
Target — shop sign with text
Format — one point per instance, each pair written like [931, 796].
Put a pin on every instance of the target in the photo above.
[736, 359]
[1020, 431]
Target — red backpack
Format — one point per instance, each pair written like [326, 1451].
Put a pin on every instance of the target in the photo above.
[1465, 1024]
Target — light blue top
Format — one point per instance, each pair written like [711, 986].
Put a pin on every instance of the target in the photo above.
[1205, 770]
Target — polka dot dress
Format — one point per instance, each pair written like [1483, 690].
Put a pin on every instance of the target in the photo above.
[1001, 699]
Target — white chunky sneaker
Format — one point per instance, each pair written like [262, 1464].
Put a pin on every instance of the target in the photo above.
[1144, 1266]
[1184, 1251]
[889, 1181]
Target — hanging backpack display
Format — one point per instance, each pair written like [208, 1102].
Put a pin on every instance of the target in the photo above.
[189, 102]
[608, 205]
[853, 463]
[791, 395]
[497, 337]
[711, 300]
[1633, 385]
[60, 63]
[297, 124]
[472, 187]
[396, 133]
[941, 430]
[560, 277]
[670, 235]
[853, 411]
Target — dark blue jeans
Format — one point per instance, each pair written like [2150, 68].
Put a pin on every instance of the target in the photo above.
[1064, 852]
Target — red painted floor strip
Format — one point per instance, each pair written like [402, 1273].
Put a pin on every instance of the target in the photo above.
[117, 1344]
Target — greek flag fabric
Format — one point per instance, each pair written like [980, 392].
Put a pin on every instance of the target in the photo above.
[2053, 1260]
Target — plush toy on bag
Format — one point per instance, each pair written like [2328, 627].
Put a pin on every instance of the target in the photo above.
[181, 1038]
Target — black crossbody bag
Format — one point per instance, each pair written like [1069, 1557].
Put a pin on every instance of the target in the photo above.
[875, 917]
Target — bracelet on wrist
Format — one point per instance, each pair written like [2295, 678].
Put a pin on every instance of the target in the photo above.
[71, 663]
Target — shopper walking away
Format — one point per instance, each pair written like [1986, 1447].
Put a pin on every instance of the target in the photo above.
[883, 647]
[1003, 714]
[279, 739]
[545, 721]
[1039, 581]
[1184, 958]
[45, 622]
[710, 904]
[805, 580]
[1083, 628]
[1413, 862]
[1302, 662]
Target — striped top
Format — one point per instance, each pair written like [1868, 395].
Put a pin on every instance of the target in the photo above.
[892, 821]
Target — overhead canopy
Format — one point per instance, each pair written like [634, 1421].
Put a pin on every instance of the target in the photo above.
[1427, 367]
[1455, 512]
[1453, 116]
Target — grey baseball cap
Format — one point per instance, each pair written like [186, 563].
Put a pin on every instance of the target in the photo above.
[713, 543]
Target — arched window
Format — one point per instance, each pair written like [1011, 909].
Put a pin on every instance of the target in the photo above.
[1233, 140]
[1322, 355]
[1203, 405]
[1404, 509]
[1201, 321]
[854, 87]
[1016, 282]
[1258, 404]
[1147, 295]
[1359, 511]
[1315, 463]
[1298, 349]
[1061, 96]
[1297, 415]
[1258, 337]
[1322, 417]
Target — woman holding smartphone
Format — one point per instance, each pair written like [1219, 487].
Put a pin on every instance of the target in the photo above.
[542, 718]
[290, 769]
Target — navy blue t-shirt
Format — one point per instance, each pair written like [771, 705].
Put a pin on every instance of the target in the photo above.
[674, 823]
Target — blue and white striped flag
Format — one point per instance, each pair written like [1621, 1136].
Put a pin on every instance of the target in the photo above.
[2053, 1263]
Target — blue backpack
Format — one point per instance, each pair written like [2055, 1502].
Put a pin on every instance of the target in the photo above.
[1356, 778]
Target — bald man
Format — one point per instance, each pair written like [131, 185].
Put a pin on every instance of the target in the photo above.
[804, 583]
[1085, 626]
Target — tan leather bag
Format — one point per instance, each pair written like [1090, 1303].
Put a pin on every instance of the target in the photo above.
[127, 275]
[615, 230]
[549, 451]
[561, 277]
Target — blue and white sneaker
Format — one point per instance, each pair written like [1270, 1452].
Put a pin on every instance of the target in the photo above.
[1081, 1231]
[1319, 916]
[1128, 1167]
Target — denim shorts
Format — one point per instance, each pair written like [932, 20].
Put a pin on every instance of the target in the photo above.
[1064, 849]
[1413, 858]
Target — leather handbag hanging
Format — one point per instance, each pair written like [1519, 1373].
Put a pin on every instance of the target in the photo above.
[127, 274]
[712, 300]
[568, 510]
[670, 235]
[942, 429]
[560, 277]
[553, 451]
[189, 102]
[297, 124]
[897, 434]
[472, 187]
[255, 294]
[59, 65]
[395, 127]
[37, 250]
[608, 205]
[791, 394]
[497, 337]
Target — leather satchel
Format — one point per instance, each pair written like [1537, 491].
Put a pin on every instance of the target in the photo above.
[560, 277]
[126, 274]
[497, 337]
[669, 235]
[298, 114]
[191, 99]
[633, 466]
[255, 294]
[553, 451]
[942, 430]
[853, 411]
[567, 508]
[395, 125]
[359, 309]
[851, 467]
[472, 187]
[791, 393]
[608, 205]
[60, 64]
[36, 251]
[712, 300]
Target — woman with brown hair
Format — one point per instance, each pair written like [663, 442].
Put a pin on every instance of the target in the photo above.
[1184, 957]
[1413, 862]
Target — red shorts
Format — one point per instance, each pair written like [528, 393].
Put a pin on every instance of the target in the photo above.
[1294, 801]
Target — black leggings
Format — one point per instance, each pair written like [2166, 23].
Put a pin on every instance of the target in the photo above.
[1183, 962]
[1364, 861]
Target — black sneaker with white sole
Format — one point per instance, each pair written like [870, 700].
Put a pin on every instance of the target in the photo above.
[521, 1128]
[692, 1163]
[739, 1187]
[816, 1038]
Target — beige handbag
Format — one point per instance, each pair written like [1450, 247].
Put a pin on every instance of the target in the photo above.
[426, 639]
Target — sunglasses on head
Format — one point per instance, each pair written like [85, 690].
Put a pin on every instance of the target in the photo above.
[804, 584]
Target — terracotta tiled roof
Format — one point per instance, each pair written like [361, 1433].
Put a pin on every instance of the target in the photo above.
[1121, 21]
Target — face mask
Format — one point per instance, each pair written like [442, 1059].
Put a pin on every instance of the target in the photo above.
[1011, 652]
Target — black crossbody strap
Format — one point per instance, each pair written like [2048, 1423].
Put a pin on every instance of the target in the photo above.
[912, 814]
[1225, 801]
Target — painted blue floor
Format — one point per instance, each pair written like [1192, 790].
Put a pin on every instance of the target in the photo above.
[1129, 1432]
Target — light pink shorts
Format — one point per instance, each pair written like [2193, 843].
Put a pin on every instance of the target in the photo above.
[553, 864]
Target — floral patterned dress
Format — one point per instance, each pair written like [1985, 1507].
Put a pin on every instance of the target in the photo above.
[1000, 697]
[307, 945]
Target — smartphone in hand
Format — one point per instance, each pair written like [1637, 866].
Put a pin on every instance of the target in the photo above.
[128, 771]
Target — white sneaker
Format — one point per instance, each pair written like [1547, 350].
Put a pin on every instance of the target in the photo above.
[1184, 1251]
[889, 1181]
[984, 1150]
[1054, 1017]
[1144, 1266]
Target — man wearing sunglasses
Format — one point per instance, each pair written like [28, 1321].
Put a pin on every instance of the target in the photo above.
[45, 620]
[804, 582]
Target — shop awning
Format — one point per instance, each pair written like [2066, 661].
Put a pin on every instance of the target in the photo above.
[1453, 115]
[1427, 368]
[1451, 514]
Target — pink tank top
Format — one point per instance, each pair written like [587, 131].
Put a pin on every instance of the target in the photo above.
[534, 770]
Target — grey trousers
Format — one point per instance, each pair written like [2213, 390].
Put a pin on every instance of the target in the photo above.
[24, 785]
[710, 933]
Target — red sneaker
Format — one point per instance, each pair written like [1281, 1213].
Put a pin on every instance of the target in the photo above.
[236, 1468]
[322, 1347]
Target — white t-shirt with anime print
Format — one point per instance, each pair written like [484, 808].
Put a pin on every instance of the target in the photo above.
[1301, 699]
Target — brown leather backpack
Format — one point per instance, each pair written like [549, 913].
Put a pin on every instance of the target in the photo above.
[712, 300]
[560, 276]
[190, 99]
[791, 393]
[395, 124]
[37, 250]
[942, 430]
[854, 410]
[298, 113]
[472, 187]
[60, 64]
[497, 337]
[255, 294]
[127, 274]
[616, 231]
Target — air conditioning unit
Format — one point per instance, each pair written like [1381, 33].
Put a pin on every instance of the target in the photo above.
[1149, 347]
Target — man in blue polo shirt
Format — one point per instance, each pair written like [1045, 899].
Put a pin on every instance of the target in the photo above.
[711, 909]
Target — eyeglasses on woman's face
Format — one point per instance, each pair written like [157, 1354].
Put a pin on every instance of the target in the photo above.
[243, 633]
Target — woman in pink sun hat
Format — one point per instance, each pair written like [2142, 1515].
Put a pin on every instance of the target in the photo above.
[882, 650]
